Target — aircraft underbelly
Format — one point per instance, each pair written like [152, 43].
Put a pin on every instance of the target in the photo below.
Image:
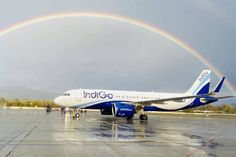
[172, 105]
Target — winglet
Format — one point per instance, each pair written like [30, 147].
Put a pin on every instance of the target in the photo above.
[219, 85]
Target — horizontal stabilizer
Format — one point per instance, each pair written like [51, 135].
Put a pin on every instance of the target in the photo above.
[219, 85]
[225, 97]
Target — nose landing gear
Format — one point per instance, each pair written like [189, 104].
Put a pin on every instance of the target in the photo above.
[77, 115]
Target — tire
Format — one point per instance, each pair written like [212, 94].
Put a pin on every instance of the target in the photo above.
[77, 115]
[143, 117]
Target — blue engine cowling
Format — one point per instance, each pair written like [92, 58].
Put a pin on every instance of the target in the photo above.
[123, 110]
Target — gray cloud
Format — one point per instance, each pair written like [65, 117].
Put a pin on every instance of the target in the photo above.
[98, 53]
[73, 53]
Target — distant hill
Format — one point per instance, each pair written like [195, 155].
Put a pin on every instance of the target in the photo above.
[21, 92]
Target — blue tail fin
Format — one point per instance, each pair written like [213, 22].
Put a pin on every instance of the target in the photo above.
[202, 84]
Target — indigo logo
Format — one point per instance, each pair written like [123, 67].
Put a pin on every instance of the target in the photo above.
[97, 95]
[203, 75]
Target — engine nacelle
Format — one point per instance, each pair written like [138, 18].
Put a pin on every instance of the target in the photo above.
[120, 109]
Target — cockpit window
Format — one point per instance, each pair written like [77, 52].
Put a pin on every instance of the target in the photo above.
[66, 94]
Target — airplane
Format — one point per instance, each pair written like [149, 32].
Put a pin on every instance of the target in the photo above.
[127, 103]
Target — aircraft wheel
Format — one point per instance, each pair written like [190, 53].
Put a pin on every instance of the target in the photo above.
[77, 115]
[143, 117]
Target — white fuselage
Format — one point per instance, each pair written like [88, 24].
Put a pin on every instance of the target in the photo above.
[197, 95]
[79, 97]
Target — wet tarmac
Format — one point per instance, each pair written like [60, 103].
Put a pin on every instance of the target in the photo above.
[34, 133]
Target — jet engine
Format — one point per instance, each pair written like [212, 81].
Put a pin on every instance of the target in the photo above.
[121, 109]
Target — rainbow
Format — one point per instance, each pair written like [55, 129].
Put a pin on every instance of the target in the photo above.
[126, 20]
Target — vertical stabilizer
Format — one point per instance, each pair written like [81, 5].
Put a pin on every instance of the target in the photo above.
[202, 84]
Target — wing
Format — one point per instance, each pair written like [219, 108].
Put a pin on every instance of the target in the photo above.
[146, 102]
[177, 99]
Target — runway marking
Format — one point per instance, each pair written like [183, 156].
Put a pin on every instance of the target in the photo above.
[9, 146]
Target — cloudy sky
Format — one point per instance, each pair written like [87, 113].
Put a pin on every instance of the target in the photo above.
[90, 52]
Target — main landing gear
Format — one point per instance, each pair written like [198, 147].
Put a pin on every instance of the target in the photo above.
[143, 117]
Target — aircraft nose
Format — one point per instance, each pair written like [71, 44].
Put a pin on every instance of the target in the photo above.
[57, 100]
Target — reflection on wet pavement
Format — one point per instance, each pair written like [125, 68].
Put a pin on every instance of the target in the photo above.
[36, 133]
